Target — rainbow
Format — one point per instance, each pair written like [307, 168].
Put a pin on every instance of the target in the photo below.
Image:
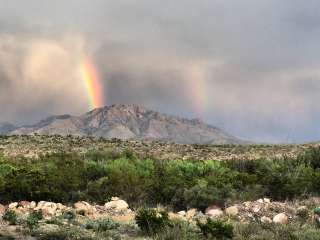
[92, 83]
[198, 87]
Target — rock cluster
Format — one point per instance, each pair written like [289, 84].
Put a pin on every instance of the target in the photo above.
[263, 211]
[114, 209]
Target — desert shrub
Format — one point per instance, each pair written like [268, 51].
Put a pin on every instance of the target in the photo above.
[203, 195]
[65, 233]
[308, 234]
[181, 184]
[152, 221]
[11, 217]
[247, 231]
[33, 219]
[129, 154]
[69, 215]
[255, 231]
[285, 178]
[311, 157]
[216, 229]
[6, 173]
[101, 156]
[317, 211]
[57, 220]
[243, 165]
[101, 225]
[129, 179]
[48, 178]
[98, 190]
[3, 237]
[174, 180]
[95, 170]
[178, 230]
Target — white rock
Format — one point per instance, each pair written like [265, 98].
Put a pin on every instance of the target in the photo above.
[2, 210]
[265, 219]
[256, 208]
[13, 205]
[267, 200]
[85, 207]
[280, 218]
[232, 211]
[260, 200]
[40, 205]
[191, 213]
[214, 213]
[175, 216]
[117, 205]
[48, 212]
[50, 205]
[33, 204]
[48, 209]
[182, 213]
[24, 204]
[81, 205]
[61, 206]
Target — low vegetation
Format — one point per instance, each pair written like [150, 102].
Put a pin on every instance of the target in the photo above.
[177, 184]
[33, 146]
[11, 217]
[216, 229]
[152, 221]
[180, 184]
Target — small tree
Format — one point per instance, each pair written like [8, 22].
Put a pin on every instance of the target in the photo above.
[152, 221]
[216, 229]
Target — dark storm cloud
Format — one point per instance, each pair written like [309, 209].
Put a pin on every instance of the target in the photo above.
[255, 63]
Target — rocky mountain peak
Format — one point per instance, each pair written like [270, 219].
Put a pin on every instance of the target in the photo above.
[129, 121]
[6, 127]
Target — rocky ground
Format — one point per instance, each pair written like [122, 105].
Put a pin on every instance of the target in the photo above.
[33, 146]
[81, 215]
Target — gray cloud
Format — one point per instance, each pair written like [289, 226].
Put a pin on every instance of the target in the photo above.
[250, 67]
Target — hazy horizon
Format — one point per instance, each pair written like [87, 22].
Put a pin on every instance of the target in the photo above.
[249, 67]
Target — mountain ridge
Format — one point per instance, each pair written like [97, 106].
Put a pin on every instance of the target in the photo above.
[128, 121]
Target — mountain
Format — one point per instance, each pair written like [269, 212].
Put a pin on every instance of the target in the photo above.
[131, 122]
[6, 128]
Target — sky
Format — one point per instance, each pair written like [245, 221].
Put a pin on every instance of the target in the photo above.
[249, 67]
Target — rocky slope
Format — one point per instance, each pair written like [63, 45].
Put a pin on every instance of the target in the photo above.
[6, 128]
[130, 122]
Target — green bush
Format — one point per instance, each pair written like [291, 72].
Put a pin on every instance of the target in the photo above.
[48, 178]
[216, 229]
[69, 215]
[129, 179]
[311, 157]
[2, 237]
[255, 231]
[181, 184]
[11, 217]
[65, 233]
[317, 211]
[102, 225]
[152, 221]
[55, 220]
[178, 230]
[33, 219]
